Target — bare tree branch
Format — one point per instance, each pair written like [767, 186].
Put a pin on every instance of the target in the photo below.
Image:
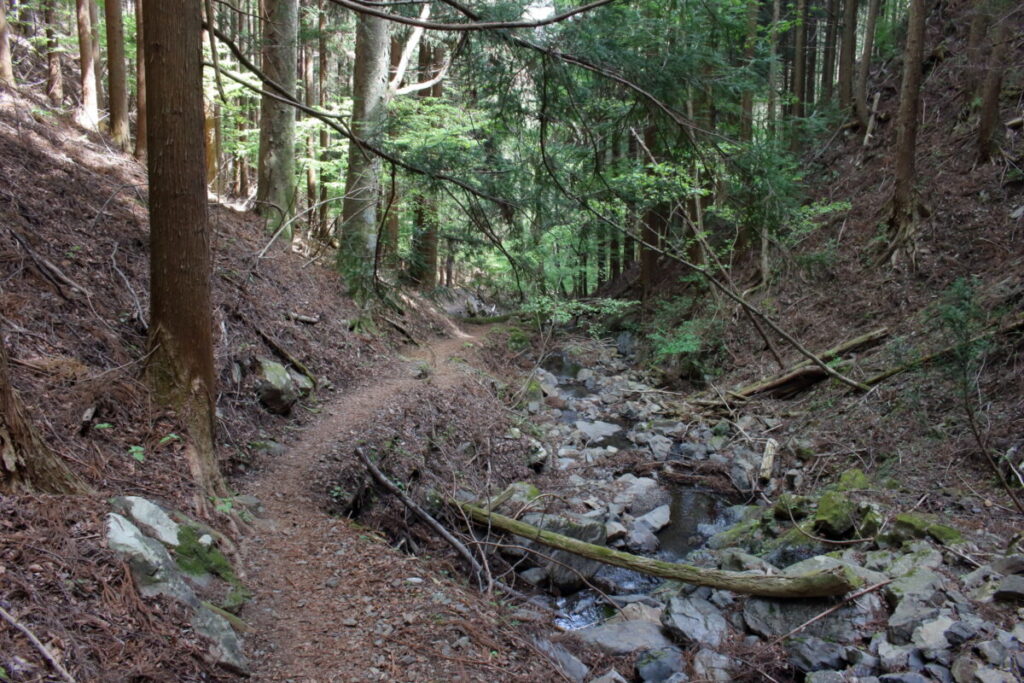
[367, 8]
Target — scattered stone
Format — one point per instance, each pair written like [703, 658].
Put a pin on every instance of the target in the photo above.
[825, 677]
[655, 520]
[566, 662]
[931, 634]
[276, 389]
[638, 611]
[906, 617]
[992, 651]
[660, 446]
[642, 540]
[597, 431]
[612, 676]
[614, 531]
[659, 665]
[835, 515]
[623, 637]
[1011, 564]
[893, 657]
[1010, 589]
[920, 585]
[695, 620]
[534, 576]
[150, 517]
[909, 526]
[709, 665]
[814, 654]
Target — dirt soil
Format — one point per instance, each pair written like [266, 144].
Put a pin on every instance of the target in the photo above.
[333, 601]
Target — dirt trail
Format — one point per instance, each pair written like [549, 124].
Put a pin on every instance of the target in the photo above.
[333, 603]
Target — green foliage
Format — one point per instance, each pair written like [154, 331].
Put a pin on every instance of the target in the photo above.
[695, 343]
[962, 317]
[590, 313]
[137, 452]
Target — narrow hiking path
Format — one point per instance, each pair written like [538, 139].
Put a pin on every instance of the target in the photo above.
[332, 602]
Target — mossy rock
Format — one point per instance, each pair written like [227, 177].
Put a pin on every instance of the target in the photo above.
[197, 559]
[791, 506]
[835, 516]
[912, 525]
[853, 480]
[869, 520]
[748, 534]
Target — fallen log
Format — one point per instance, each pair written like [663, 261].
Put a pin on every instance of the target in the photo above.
[804, 374]
[816, 584]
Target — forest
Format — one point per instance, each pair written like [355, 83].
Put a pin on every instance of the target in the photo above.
[487, 340]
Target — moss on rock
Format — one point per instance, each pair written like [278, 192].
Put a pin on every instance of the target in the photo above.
[835, 515]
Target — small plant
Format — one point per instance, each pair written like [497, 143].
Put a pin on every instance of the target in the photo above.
[169, 438]
[103, 425]
[137, 452]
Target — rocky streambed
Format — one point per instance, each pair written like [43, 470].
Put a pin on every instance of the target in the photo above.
[624, 465]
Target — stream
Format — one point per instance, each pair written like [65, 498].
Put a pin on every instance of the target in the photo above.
[590, 399]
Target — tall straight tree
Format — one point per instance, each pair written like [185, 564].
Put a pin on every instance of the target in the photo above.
[362, 182]
[904, 201]
[992, 85]
[54, 74]
[88, 109]
[864, 66]
[423, 265]
[140, 83]
[828, 55]
[118, 80]
[6, 66]
[847, 50]
[275, 189]
[180, 368]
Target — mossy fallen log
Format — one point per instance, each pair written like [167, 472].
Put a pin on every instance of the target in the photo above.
[816, 584]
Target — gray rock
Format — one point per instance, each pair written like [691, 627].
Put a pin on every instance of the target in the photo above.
[150, 517]
[658, 666]
[1011, 564]
[824, 563]
[303, 384]
[904, 677]
[567, 571]
[964, 668]
[695, 620]
[154, 571]
[737, 560]
[660, 446]
[225, 646]
[276, 389]
[906, 617]
[1010, 589]
[709, 665]
[534, 576]
[655, 520]
[939, 673]
[814, 654]
[893, 657]
[612, 676]
[987, 674]
[770, 618]
[641, 495]
[992, 651]
[824, 677]
[596, 431]
[625, 343]
[920, 585]
[861, 663]
[642, 540]
[960, 632]
[566, 661]
[931, 634]
[614, 531]
[623, 637]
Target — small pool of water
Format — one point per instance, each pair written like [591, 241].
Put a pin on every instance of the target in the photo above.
[696, 515]
[561, 366]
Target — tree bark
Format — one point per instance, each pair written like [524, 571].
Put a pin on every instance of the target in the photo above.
[847, 49]
[773, 66]
[864, 67]
[6, 66]
[26, 463]
[749, 51]
[828, 57]
[815, 584]
[180, 368]
[362, 182]
[94, 23]
[54, 74]
[423, 263]
[799, 65]
[275, 187]
[988, 116]
[904, 201]
[118, 79]
[140, 79]
[325, 136]
[88, 109]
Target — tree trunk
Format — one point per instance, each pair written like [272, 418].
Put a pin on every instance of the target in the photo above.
[310, 99]
[118, 80]
[6, 66]
[904, 202]
[180, 368]
[362, 182]
[812, 61]
[864, 68]
[423, 263]
[814, 584]
[988, 117]
[799, 64]
[54, 74]
[847, 49]
[94, 23]
[828, 57]
[393, 222]
[140, 78]
[749, 51]
[88, 109]
[275, 187]
[26, 463]
[773, 65]
[325, 136]
[981, 17]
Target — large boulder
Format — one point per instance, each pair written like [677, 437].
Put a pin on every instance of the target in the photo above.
[276, 387]
[567, 571]
[695, 620]
[623, 637]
